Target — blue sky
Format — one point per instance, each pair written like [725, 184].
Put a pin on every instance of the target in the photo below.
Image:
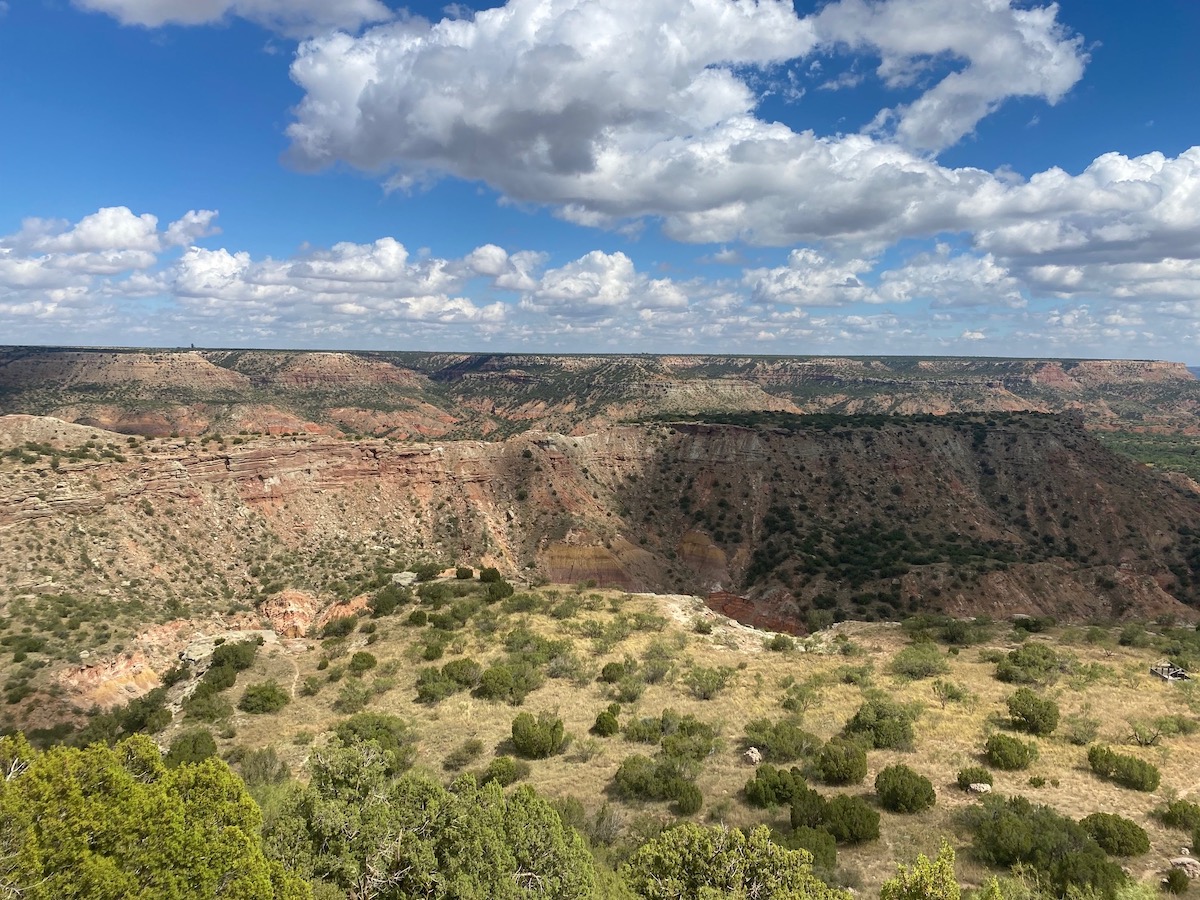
[984, 177]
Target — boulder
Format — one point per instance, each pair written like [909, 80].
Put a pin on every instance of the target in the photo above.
[753, 756]
[979, 788]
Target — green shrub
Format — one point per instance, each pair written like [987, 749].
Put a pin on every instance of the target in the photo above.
[1032, 663]
[339, 627]
[921, 660]
[817, 841]
[902, 790]
[393, 735]
[264, 697]
[640, 777]
[612, 672]
[417, 618]
[973, 775]
[433, 686]
[353, 697]
[780, 741]
[1080, 729]
[464, 573]
[842, 762]
[489, 575]
[498, 590]
[504, 770]
[464, 672]
[220, 678]
[206, 706]
[1177, 881]
[192, 746]
[887, 724]
[1127, 771]
[705, 683]
[1181, 814]
[1008, 753]
[774, 787]
[1012, 831]
[538, 738]
[606, 723]
[851, 820]
[688, 798]
[1116, 836]
[361, 663]
[239, 655]
[808, 808]
[780, 643]
[1031, 713]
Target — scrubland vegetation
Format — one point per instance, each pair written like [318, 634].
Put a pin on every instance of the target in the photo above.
[580, 727]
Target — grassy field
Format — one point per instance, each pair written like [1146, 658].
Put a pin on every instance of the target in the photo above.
[1103, 682]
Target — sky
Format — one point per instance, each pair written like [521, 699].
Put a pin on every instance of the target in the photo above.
[851, 177]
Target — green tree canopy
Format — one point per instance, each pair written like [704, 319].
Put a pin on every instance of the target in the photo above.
[110, 823]
[373, 836]
[692, 862]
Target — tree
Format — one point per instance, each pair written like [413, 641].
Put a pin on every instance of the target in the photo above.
[192, 746]
[1031, 713]
[116, 822]
[842, 762]
[902, 790]
[692, 862]
[391, 734]
[887, 724]
[537, 738]
[924, 880]
[265, 697]
[411, 837]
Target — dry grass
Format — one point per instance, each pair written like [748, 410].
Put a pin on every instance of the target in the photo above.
[947, 739]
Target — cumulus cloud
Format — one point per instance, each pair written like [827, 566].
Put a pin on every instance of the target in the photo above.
[600, 283]
[811, 280]
[1000, 51]
[947, 280]
[529, 98]
[299, 17]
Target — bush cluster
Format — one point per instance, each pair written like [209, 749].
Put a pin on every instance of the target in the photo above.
[921, 660]
[538, 738]
[774, 787]
[781, 741]
[1031, 713]
[842, 762]
[847, 819]
[264, 697]
[1032, 663]
[504, 770]
[435, 684]
[684, 737]
[1116, 836]
[973, 775]
[606, 722]
[885, 723]
[1008, 753]
[1011, 831]
[662, 778]
[902, 790]
[1127, 771]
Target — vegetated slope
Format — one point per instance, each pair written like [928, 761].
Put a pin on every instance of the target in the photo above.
[414, 395]
[809, 518]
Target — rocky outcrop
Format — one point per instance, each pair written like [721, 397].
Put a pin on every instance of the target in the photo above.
[291, 613]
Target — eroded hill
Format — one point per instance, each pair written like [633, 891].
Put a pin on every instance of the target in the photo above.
[407, 395]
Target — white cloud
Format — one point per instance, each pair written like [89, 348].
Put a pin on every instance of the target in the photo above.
[608, 110]
[299, 17]
[1002, 51]
[947, 281]
[811, 280]
[600, 283]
